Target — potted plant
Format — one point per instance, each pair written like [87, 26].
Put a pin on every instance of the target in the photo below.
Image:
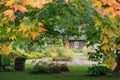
[20, 63]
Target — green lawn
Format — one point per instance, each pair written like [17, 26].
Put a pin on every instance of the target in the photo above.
[76, 73]
[80, 52]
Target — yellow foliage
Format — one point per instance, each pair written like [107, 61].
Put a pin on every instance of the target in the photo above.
[10, 3]
[12, 37]
[54, 55]
[23, 27]
[108, 10]
[26, 35]
[68, 54]
[111, 62]
[8, 30]
[105, 41]
[1, 23]
[40, 24]
[6, 49]
[104, 31]
[97, 22]
[106, 48]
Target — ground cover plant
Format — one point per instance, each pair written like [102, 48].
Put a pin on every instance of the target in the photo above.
[49, 68]
[98, 70]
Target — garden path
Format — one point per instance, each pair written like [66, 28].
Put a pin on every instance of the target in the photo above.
[77, 60]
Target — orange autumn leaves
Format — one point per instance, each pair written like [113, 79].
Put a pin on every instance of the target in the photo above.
[35, 3]
[109, 33]
[26, 30]
[113, 7]
[31, 28]
[108, 39]
[36, 34]
[10, 12]
[14, 6]
[20, 8]
[6, 49]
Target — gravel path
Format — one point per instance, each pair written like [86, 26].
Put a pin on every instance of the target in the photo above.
[77, 61]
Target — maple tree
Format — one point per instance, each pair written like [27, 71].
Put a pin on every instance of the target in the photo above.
[14, 22]
[107, 23]
[19, 22]
[16, 25]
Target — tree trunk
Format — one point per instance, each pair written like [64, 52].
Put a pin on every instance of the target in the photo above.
[116, 65]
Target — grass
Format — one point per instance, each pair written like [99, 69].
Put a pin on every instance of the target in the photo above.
[29, 66]
[80, 52]
[76, 73]
[77, 51]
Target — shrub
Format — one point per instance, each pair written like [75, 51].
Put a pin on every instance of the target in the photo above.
[9, 68]
[98, 70]
[7, 60]
[6, 68]
[54, 55]
[61, 53]
[49, 68]
[94, 56]
[68, 54]
[1, 69]
[46, 52]
[7, 63]
[64, 68]
[31, 55]
[58, 53]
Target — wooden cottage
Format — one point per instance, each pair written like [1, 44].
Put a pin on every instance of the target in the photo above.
[76, 44]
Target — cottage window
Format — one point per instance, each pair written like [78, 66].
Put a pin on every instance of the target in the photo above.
[76, 44]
